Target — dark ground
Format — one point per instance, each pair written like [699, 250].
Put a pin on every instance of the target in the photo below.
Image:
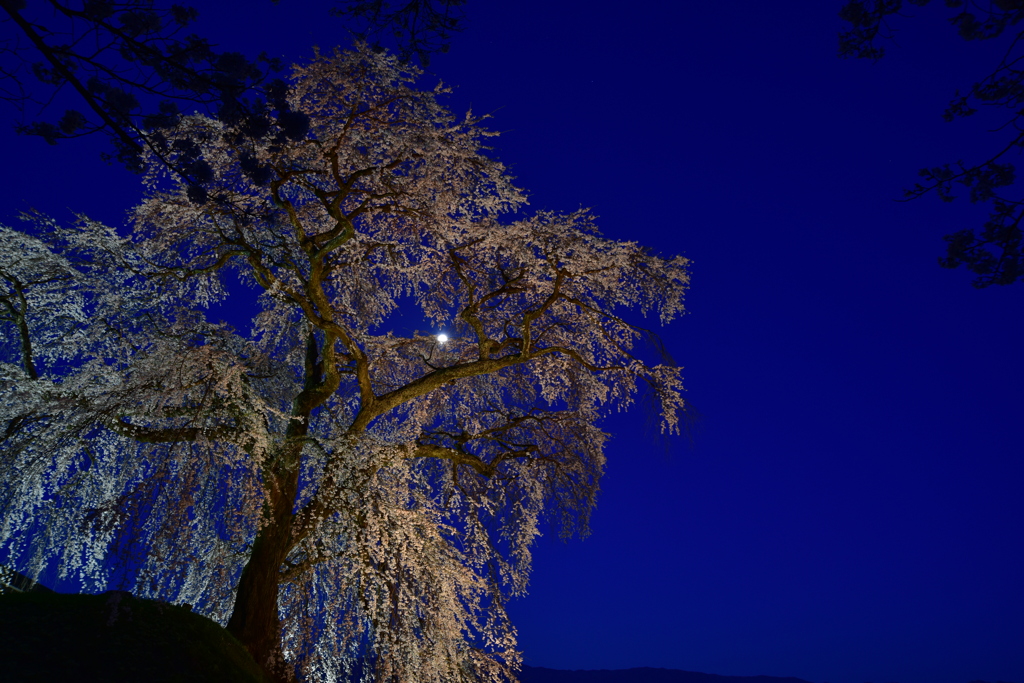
[114, 637]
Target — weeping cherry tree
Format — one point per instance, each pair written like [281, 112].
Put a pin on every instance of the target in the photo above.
[343, 498]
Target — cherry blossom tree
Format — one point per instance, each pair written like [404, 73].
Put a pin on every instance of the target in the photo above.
[342, 497]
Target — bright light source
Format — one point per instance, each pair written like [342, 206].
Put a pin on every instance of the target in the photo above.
[442, 338]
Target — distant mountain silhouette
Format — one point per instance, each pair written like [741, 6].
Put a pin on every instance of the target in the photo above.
[533, 674]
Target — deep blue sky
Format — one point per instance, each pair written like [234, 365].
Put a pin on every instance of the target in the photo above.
[852, 507]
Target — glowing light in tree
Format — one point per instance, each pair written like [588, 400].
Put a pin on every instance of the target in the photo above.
[442, 338]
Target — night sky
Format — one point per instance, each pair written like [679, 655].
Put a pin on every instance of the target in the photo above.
[851, 506]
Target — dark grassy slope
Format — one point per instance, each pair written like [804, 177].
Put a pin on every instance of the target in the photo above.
[643, 675]
[50, 637]
[114, 638]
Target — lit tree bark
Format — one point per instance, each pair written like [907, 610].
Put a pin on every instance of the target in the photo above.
[254, 619]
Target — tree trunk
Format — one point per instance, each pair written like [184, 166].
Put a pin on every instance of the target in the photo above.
[254, 620]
